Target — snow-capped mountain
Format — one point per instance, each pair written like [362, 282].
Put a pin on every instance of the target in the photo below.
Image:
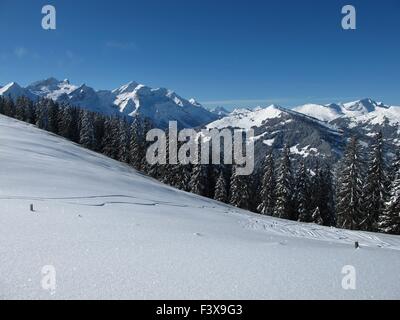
[14, 91]
[112, 233]
[361, 111]
[314, 130]
[274, 126]
[160, 105]
[220, 111]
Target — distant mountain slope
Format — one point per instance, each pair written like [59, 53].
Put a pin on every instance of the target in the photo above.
[111, 233]
[160, 105]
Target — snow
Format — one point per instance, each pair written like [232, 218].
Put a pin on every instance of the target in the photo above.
[320, 112]
[304, 152]
[365, 111]
[269, 142]
[247, 119]
[113, 233]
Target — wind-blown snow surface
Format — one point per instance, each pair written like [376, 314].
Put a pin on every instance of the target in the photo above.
[113, 233]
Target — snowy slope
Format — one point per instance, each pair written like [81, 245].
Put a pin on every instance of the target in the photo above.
[113, 233]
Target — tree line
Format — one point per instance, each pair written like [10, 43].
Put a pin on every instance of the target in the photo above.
[361, 193]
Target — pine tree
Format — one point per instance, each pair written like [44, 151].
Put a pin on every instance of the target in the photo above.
[322, 194]
[87, 130]
[302, 196]
[136, 146]
[376, 187]
[389, 221]
[198, 180]
[53, 116]
[239, 191]
[316, 217]
[221, 191]
[284, 187]
[98, 131]
[350, 182]
[42, 120]
[268, 184]
[20, 108]
[110, 138]
[123, 141]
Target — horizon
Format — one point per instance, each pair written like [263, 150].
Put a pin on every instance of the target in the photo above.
[225, 54]
[268, 103]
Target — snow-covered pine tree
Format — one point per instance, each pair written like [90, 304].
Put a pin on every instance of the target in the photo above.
[221, 190]
[349, 187]
[110, 138]
[284, 187]
[302, 195]
[86, 136]
[98, 131]
[20, 108]
[316, 217]
[147, 126]
[375, 191]
[41, 114]
[136, 146]
[395, 167]
[65, 122]
[389, 221]
[239, 191]
[53, 115]
[123, 141]
[268, 184]
[198, 183]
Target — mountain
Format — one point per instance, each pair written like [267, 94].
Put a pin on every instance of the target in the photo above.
[274, 126]
[111, 233]
[160, 105]
[314, 131]
[13, 90]
[220, 111]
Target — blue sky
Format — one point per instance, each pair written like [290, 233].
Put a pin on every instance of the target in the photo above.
[230, 53]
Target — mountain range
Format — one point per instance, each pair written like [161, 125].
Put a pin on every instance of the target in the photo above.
[160, 105]
[312, 130]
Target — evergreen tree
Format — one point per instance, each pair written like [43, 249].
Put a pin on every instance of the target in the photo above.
[20, 108]
[87, 130]
[302, 195]
[389, 221]
[239, 191]
[9, 108]
[350, 182]
[136, 146]
[198, 180]
[98, 131]
[284, 187]
[42, 120]
[110, 137]
[268, 184]
[316, 217]
[65, 122]
[322, 194]
[221, 190]
[123, 141]
[53, 116]
[376, 187]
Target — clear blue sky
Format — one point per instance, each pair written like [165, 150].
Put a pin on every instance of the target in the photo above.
[225, 52]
